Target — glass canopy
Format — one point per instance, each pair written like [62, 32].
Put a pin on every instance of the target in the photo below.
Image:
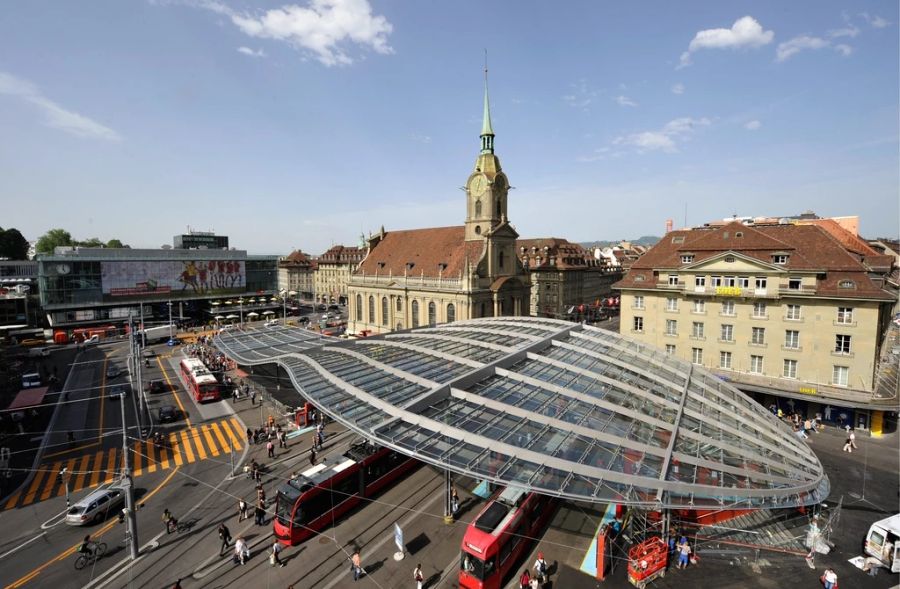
[559, 408]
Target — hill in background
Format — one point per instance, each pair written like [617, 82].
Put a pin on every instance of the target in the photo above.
[645, 240]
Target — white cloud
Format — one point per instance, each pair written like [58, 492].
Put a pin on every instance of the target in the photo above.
[850, 30]
[752, 125]
[797, 44]
[665, 139]
[251, 52]
[745, 32]
[843, 49]
[678, 88]
[420, 138]
[582, 95]
[625, 101]
[54, 115]
[876, 21]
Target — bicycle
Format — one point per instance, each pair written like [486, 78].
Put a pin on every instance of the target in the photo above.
[94, 556]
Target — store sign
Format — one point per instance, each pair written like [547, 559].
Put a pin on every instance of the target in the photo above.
[809, 390]
[729, 291]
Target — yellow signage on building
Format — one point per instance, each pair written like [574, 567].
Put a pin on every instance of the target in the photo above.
[808, 390]
[729, 291]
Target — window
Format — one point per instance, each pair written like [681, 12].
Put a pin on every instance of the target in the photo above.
[673, 280]
[759, 310]
[372, 310]
[399, 305]
[501, 260]
[840, 375]
[670, 349]
[687, 258]
[700, 282]
[727, 333]
[727, 307]
[671, 327]
[699, 306]
[415, 313]
[671, 304]
[725, 360]
[432, 314]
[758, 336]
[780, 259]
[842, 344]
[451, 313]
[792, 339]
[761, 285]
[794, 283]
[638, 324]
[697, 329]
[845, 315]
[477, 209]
[697, 355]
[639, 302]
[384, 311]
[359, 307]
[756, 364]
[793, 312]
[729, 259]
[717, 281]
[790, 369]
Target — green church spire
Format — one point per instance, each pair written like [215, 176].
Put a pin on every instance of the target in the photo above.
[487, 131]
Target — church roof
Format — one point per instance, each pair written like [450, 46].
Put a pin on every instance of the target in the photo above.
[567, 255]
[433, 252]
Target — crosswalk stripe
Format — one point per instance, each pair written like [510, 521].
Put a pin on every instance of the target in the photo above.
[236, 426]
[173, 445]
[163, 458]
[82, 473]
[195, 435]
[235, 439]
[212, 445]
[35, 485]
[137, 470]
[226, 447]
[186, 444]
[150, 455]
[13, 500]
[61, 489]
[95, 473]
[45, 494]
[110, 466]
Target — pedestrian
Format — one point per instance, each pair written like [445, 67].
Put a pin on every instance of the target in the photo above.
[241, 550]
[829, 579]
[260, 494]
[418, 577]
[276, 550]
[525, 580]
[535, 584]
[540, 568]
[312, 455]
[225, 537]
[249, 436]
[260, 513]
[848, 444]
[684, 553]
[177, 584]
[253, 397]
[454, 501]
[282, 440]
[270, 448]
[852, 438]
[242, 510]
[356, 565]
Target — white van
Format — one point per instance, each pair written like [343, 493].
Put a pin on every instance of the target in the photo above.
[883, 542]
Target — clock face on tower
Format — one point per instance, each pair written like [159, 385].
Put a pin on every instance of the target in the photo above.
[477, 185]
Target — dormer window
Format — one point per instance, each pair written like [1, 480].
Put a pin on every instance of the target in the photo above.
[678, 239]
[409, 265]
[687, 258]
[846, 284]
[729, 259]
[780, 259]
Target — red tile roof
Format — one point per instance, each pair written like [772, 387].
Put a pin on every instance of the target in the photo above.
[568, 255]
[438, 251]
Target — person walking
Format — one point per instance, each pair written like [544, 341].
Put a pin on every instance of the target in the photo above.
[241, 550]
[852, 437]
[261, 494]
[848, 444]
[270, 448]
[684, 553]
[454, 501]
[356, 565]
[276, 550]
[282, 439]
[253, 397]
[242, 510]
[829, 579]
[540, 568]
[225, 537]
[312, 456]
[418, 577]
[249, 436]
[525, 580]
[260, 513]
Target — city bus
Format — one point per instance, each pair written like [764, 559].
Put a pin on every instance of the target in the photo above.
[200, 382]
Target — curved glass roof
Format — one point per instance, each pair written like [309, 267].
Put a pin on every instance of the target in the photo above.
[555, 407]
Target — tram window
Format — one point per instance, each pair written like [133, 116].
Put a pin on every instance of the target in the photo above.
[478, 568]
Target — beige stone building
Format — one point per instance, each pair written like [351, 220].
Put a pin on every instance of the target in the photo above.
[786, 310]
[333, 271]
[563, 275]
[440, 275]
[296, 273]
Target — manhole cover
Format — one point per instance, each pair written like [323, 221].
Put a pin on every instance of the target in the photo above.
[324, 540]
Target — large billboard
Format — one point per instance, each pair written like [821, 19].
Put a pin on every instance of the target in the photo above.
[171, 278]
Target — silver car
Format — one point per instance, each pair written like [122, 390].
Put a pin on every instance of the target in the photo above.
[96, 507]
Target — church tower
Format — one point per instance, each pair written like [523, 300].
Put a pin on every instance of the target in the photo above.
[487, 187]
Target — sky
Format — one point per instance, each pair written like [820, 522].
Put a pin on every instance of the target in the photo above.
[303, 125]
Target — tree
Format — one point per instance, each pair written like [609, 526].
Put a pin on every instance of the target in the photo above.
[90, 242]
[53, 239]
[13, 244]
[115, 243]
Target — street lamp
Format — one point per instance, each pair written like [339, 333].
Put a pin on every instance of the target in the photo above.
[64, 475]
[241, 303]
[284, 306]
[170, 321]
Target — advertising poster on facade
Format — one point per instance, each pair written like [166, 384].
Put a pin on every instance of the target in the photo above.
[171, 278]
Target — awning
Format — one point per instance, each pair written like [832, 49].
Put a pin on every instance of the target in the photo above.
[28, 398]
[232, 317]
[268, 312]
[218, 318]
[252, 314]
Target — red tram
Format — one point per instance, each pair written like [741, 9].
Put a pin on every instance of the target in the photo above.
[325, 492]
[501, 533]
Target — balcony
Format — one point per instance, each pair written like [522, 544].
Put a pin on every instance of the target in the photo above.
[405, 281]
[804, 290]
[735, 292]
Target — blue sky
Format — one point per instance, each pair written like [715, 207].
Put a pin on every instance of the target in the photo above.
[301, 125]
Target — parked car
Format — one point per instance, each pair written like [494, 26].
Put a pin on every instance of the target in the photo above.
[272, 323]
[168, 413]
[112, 371]
[115, 391]
[156, 385]
[96, 507]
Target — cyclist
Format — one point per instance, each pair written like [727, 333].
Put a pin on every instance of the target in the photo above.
[170, 521]
[87, 546]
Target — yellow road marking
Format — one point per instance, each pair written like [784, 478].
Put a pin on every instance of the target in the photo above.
[110, 466]
[237, 428]
[95, 473]
[70, 450]
[13, 500]
[163, 459]
[137, 470]
[70, 466]
[226, 447]
[186, 444]
[174, 390]
[201, 451]
[49, 487]
[102, 399]
[150, 450]
[235, 438]
[212, 445]
[97, 534]
[173, 444]
[82, 473]
[35, 485]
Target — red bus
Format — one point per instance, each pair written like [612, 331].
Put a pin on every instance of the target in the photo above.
[501, 533]
[325, 492]
[199, 380]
